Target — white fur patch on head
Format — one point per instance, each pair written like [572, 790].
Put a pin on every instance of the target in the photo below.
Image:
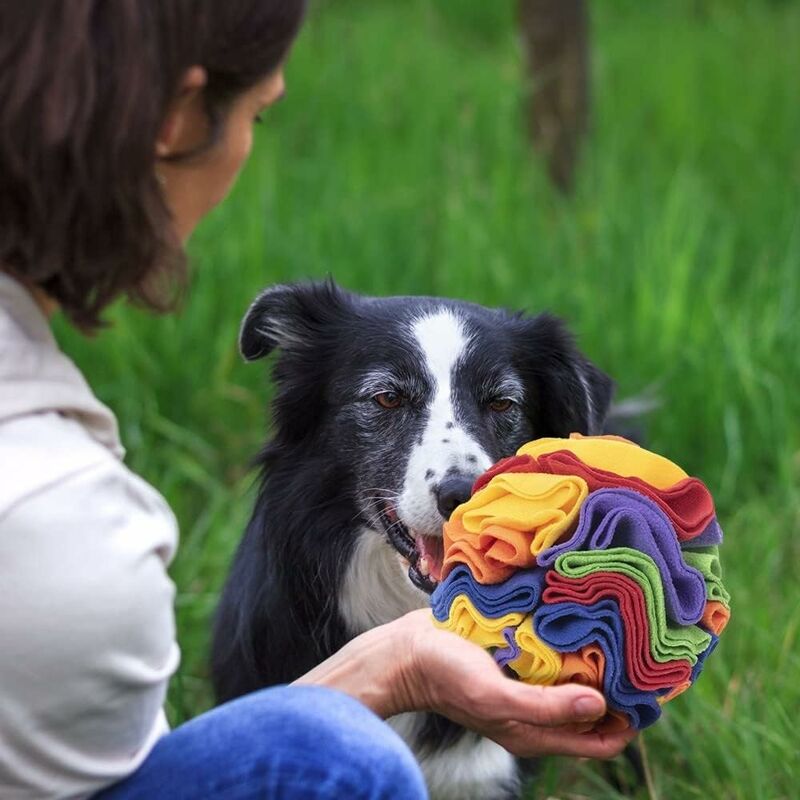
[444, 446]
[443, 341]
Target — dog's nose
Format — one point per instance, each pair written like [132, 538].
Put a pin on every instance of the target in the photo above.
[452, 492]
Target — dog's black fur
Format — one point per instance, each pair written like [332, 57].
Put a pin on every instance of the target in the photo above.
[281, 611]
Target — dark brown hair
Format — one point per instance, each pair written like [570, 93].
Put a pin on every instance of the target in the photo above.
[84, 87]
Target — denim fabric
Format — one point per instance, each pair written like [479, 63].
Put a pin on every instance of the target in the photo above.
[302, 742]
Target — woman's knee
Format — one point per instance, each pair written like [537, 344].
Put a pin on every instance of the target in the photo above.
[332, 735]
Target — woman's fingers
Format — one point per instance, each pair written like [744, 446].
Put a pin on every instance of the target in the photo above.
[499, 698]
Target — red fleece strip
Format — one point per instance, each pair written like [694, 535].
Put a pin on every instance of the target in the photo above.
[644, 672]
[510, 464]
[688, 503]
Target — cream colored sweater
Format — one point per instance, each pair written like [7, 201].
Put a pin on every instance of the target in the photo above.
[87, 633]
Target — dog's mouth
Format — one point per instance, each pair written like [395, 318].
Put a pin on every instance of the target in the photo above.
[423, 554]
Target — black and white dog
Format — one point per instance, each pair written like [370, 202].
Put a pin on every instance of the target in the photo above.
[386, 411]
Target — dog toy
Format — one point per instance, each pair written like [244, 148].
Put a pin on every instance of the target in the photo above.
[588, 560]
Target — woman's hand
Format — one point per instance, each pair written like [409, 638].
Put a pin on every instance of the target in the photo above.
[410, 665]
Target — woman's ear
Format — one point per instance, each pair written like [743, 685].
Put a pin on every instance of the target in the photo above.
[566, 392]
[185, 122]
[291, 317]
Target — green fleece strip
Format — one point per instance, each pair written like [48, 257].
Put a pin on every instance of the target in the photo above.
[706, 560]
[667, 642]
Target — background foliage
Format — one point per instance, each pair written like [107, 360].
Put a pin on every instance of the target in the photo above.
[399, 163]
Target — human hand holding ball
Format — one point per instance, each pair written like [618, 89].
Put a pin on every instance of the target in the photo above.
[588, 560]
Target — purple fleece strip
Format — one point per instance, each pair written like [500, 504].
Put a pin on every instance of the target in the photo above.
[711, 535]
[624, 518]
[701, 659]
[504, 655]
[569, 626]
[520, 593]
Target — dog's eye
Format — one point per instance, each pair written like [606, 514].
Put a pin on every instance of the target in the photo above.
[501, 405]
[388, 399]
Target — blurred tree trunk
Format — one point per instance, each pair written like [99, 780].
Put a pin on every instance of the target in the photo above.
[556, 42]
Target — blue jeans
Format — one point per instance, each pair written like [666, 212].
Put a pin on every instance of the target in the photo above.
[298, 742]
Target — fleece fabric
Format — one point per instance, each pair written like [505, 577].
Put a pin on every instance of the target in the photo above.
[614, 518]
[643, 670]
[687, 504]
[607, 554]
[504, 655]
[706, 561]
[537, 663]
[701, 660]
[616, 455]
[465, 620]
[520, 593]
[505, 525]
[587, 667]
[667, 641]
[569, 626]
[712, 535]
[715, 617]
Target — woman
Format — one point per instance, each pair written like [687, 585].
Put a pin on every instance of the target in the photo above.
[121, 125]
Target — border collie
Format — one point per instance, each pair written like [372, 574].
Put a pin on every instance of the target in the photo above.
[386, 410]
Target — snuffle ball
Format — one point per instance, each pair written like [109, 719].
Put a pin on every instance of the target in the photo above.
[588, 560]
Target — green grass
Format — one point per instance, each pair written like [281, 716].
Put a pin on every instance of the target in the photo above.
[399, 164]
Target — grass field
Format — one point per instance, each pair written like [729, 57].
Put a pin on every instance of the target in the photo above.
[399, 164]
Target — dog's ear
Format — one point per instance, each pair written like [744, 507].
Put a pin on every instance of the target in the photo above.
[566, 392]
[289, 317]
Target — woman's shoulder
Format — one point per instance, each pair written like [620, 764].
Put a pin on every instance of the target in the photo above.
[41, 448]
[67, 502]
[40, 453]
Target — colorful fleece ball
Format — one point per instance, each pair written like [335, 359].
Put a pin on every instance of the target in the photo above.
[588, 560]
